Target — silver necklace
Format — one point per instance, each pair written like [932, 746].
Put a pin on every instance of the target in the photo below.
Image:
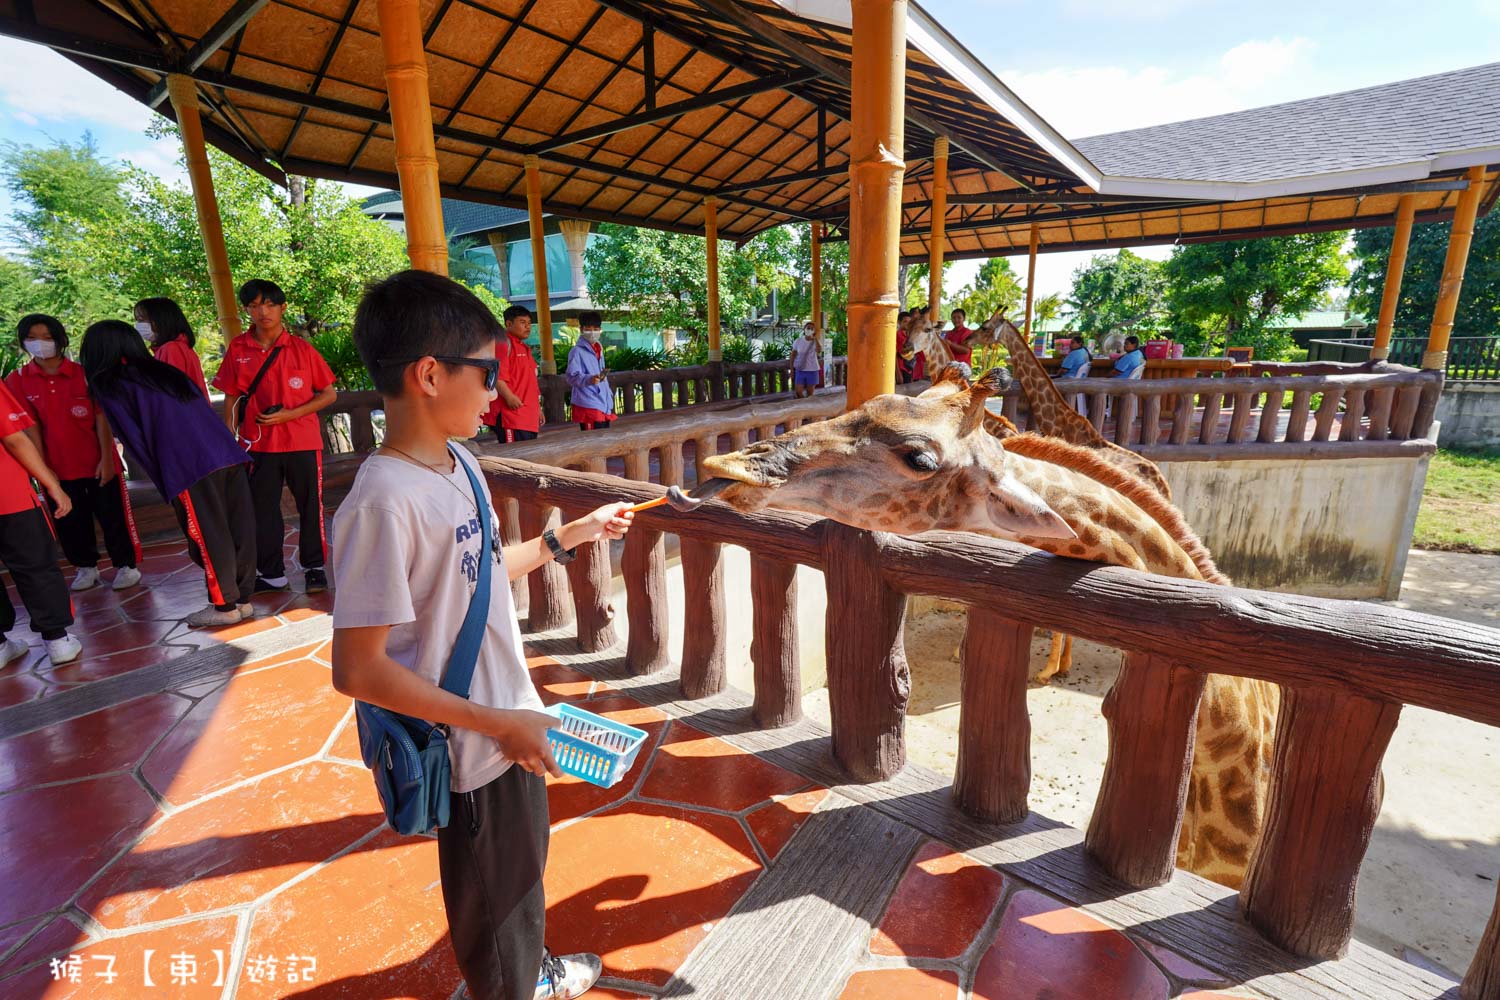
[494, 538]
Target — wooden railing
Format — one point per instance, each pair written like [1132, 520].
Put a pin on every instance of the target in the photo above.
[1346, 669]
[1469, 358]
[675, 388]
[1355, 411]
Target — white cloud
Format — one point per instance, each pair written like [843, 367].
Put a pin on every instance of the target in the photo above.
[159, 158]
[1087, 100]
[39, 86]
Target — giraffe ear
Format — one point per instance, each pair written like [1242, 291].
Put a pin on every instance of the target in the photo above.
[972, 401]
[1017, 509]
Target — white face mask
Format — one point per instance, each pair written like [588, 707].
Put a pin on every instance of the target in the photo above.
[144, 329]
[41, 348]
[592, 336]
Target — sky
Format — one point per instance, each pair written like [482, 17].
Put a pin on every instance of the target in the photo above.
[1087, 66]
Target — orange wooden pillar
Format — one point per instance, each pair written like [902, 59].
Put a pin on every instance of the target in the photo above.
[1394, 270]
[539, 262]
[817, 277]
[876, 169]
[183, 94]
[1031, 283]
[411, 120]
[711, 236]
[1459, 238]
[939, 222]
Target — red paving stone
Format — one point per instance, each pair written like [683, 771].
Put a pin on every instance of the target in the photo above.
[642, 884]
[774, 824]
[940, 906]
[84, 824]
[109, 740]
[1047, 950]
[56, 937]
[236, 847]
[901, 984]
[188, 948]
[257, 722]
[694, 767]
[1182, 968]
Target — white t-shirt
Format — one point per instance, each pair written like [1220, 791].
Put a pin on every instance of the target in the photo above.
[406, 547]
[805, 353]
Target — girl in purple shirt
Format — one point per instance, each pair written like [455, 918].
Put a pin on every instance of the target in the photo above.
[172, 434]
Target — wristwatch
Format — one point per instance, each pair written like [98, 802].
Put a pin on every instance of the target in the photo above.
[559, 553]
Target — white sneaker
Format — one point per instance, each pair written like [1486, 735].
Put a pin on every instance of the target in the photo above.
[564, 977]
[86, 579]
[12, 649]
[247, 612]
[64, 650]
[126, 578]
[211, 617]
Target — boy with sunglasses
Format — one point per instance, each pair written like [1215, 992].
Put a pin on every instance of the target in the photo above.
[406, 551]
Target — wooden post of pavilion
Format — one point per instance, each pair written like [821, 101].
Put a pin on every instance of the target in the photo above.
[1031, 283]
[1406, 209]
[183, 93]
[539, 263]
[411, 120]
[876, 170]
[711, 236]
[1459, 238]
[817, 277]
[939, 222]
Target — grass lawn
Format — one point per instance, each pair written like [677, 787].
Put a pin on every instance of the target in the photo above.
[1461, 505]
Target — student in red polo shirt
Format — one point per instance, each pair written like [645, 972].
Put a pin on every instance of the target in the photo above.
[26, 541]
[958, 337]
[167, 332]
[516, 413]
[280, 427]
[75, 442]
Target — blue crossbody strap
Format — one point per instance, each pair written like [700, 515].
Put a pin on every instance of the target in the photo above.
[460, 670]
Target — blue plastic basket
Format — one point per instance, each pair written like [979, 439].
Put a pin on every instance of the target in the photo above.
[592, 747]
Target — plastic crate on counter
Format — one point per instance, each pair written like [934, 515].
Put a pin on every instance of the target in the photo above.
[592, 747]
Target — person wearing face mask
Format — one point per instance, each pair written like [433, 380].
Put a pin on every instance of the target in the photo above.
[593, 400]
[75, 441]
[166, 331]
[807, 362]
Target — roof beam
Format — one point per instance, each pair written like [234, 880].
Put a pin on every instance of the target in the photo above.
[222, 30]
[781, 81]
[74, 43]
[1044, 198]
[736, 13]
[777, 180]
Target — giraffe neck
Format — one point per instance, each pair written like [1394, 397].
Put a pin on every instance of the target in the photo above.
[1051, 414]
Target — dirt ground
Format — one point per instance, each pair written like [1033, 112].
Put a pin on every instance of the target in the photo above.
[1428, 882]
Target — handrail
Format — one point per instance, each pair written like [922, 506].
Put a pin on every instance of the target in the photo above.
[1345, 669]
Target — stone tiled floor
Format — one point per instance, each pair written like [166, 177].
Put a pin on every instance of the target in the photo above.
[222, 839]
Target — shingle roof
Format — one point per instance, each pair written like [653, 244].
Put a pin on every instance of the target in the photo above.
[1397, 123]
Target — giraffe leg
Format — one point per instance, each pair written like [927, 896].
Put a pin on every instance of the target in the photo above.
[1065, 661]
[1054, 658]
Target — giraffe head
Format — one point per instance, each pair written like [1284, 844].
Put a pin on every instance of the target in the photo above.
[923, 337]
[903, 464]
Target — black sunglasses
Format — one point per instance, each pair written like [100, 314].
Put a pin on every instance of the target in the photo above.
[491, 366]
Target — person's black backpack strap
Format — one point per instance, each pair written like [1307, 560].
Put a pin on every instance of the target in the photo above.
[243, 403]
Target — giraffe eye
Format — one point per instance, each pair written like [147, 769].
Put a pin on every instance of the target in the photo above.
[922, 461]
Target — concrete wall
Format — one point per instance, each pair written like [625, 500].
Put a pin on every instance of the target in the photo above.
[1327, 527]
[1470, 414]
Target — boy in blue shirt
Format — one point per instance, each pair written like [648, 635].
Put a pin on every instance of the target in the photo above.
[1127, 363]
[405, 558]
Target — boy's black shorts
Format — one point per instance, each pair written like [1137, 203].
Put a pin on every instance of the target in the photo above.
[506, 435]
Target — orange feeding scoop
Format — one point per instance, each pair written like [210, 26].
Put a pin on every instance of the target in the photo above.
[658, 502]
[685, 501]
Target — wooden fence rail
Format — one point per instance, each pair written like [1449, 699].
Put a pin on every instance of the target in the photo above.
[1350, 662]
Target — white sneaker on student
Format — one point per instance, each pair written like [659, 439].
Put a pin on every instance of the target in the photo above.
[211, 617]
[126, 578]
[86, 579]
[247, 612]
[564, 977]
[12, 649]
[63, 650]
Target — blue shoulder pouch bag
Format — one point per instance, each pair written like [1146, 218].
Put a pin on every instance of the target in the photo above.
[409, 757]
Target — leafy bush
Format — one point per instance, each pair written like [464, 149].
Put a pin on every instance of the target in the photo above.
[737, 349]
[777, 348]
[337, 347]
[637, 359]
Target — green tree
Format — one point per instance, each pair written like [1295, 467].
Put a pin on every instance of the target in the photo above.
[62, 193]
[797, 300]
[917, 285]
[995, 287]
[659, 280]
[1478, 302]
[1240, 289]
[1112, 294]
